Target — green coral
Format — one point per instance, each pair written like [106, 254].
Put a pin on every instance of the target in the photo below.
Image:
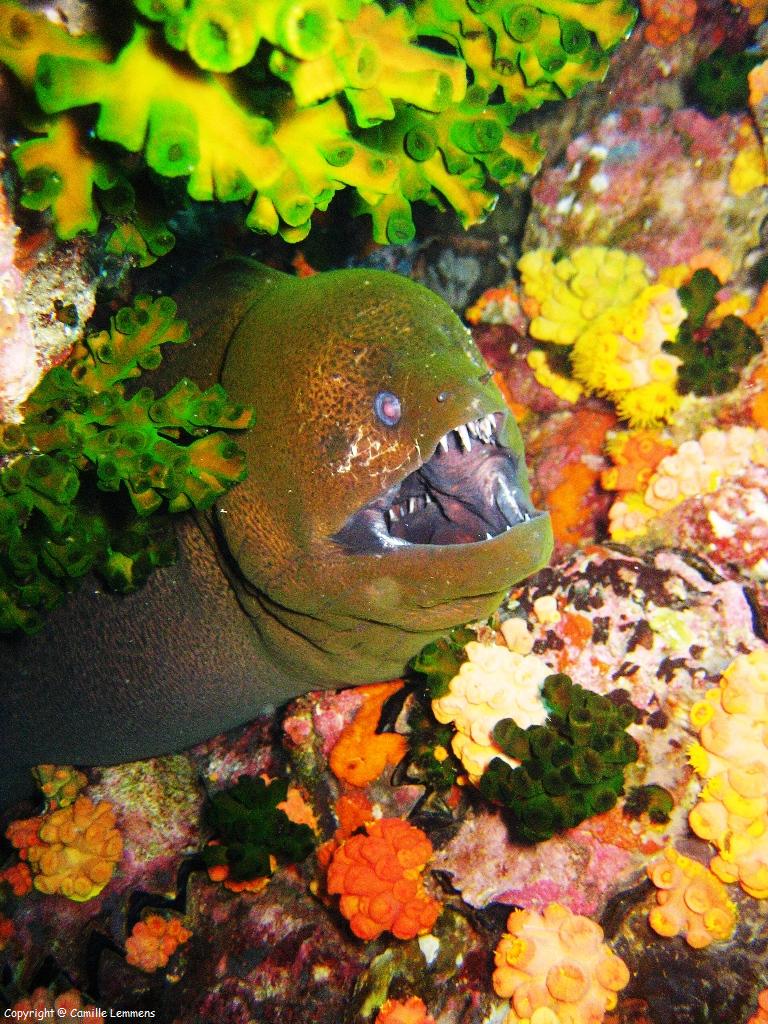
[440, 661]
[82, 436]
[653, 800]
[571, 768]
[249, 828]
[720, 82]
[284, 103]
[711, 359]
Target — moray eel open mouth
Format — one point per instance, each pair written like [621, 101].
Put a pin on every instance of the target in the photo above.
[468, 491]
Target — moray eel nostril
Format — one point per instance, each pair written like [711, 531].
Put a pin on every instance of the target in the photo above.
[373, 518]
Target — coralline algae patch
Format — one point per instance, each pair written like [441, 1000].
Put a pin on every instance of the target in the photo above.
[653, 181]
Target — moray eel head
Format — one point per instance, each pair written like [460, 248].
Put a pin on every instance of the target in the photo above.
[387, 495]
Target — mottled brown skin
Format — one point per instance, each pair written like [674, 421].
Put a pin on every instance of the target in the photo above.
[263, 603]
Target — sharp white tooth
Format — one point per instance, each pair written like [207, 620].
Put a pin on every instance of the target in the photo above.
[392, 516]
[490, 422]
[411, 505]
[444, 442]
[464, 437]
[488, 536]
[473, 428]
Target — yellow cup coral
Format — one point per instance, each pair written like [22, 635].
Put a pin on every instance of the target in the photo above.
[73, 851]
[556, 965]
[601, 302]
[494, 683]
[690, 900]
[732, 755]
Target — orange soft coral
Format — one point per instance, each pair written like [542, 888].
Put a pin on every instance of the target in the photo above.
[691, 900]
[667, 20]
[635, 455]
[761, 1014]
[72, 851]
[556, 961]
[153, 942]
[361, 754]
[379, 879]
[408, 1011]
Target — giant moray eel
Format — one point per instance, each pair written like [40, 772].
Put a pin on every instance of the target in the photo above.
[386, 501]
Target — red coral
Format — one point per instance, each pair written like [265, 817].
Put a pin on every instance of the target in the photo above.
[408, 1011]
[668, 20]
[378, 877]
[19, 877]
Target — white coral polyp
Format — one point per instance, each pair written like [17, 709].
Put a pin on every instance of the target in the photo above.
[493, 684]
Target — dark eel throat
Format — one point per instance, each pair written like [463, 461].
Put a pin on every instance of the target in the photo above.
[467, 492]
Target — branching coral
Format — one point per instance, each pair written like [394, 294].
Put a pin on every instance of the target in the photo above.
[493, 684]
[732, 756]
[79, 428]
[72, 851]
[570, 768]
[378, 876]
[600, 302]
[351, 97]
[252, 834]
[154, 940]
[689, 899]
[697, 467]
[556, 961]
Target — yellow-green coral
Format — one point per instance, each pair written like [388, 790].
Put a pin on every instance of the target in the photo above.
[732, 756]
[600, 302]
[494, 683]
[340, 93]
[555, 968]
[690, 899]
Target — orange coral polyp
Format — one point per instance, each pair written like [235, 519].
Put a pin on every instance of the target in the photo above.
[389, 896]
[153, 942]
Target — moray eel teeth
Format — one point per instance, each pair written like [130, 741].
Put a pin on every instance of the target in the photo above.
[467, 492]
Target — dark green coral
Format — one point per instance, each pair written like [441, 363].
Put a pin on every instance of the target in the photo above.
[711, 359]
[571, 768]
[720, 82]
[249, 827]
[440, 661]
[82, 437]
[653, 800]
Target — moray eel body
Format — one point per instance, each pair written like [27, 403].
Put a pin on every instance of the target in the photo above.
[386, 501]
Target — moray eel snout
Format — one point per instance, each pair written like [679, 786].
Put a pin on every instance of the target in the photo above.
[467, 492]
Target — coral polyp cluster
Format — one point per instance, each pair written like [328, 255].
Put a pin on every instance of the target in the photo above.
[697, 467]
[73, 851]
[568, 769]
[284, 103]
[555, 968]
[667, 19]
[494, 683]
[404, 1011]
[731, 755]
[80, 432]
[600, 302]
[378, 876]
[154, 940]
[690, 899]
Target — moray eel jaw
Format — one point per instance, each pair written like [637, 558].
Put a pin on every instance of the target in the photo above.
[468, 492]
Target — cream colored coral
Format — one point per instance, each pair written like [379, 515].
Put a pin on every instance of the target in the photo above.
[494, 683]
[732, 756]
[697, 467]
[555, 967]
[80, 849]
[690, 899]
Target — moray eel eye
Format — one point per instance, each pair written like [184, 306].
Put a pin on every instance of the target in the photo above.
[387, 408]
[467, 492]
